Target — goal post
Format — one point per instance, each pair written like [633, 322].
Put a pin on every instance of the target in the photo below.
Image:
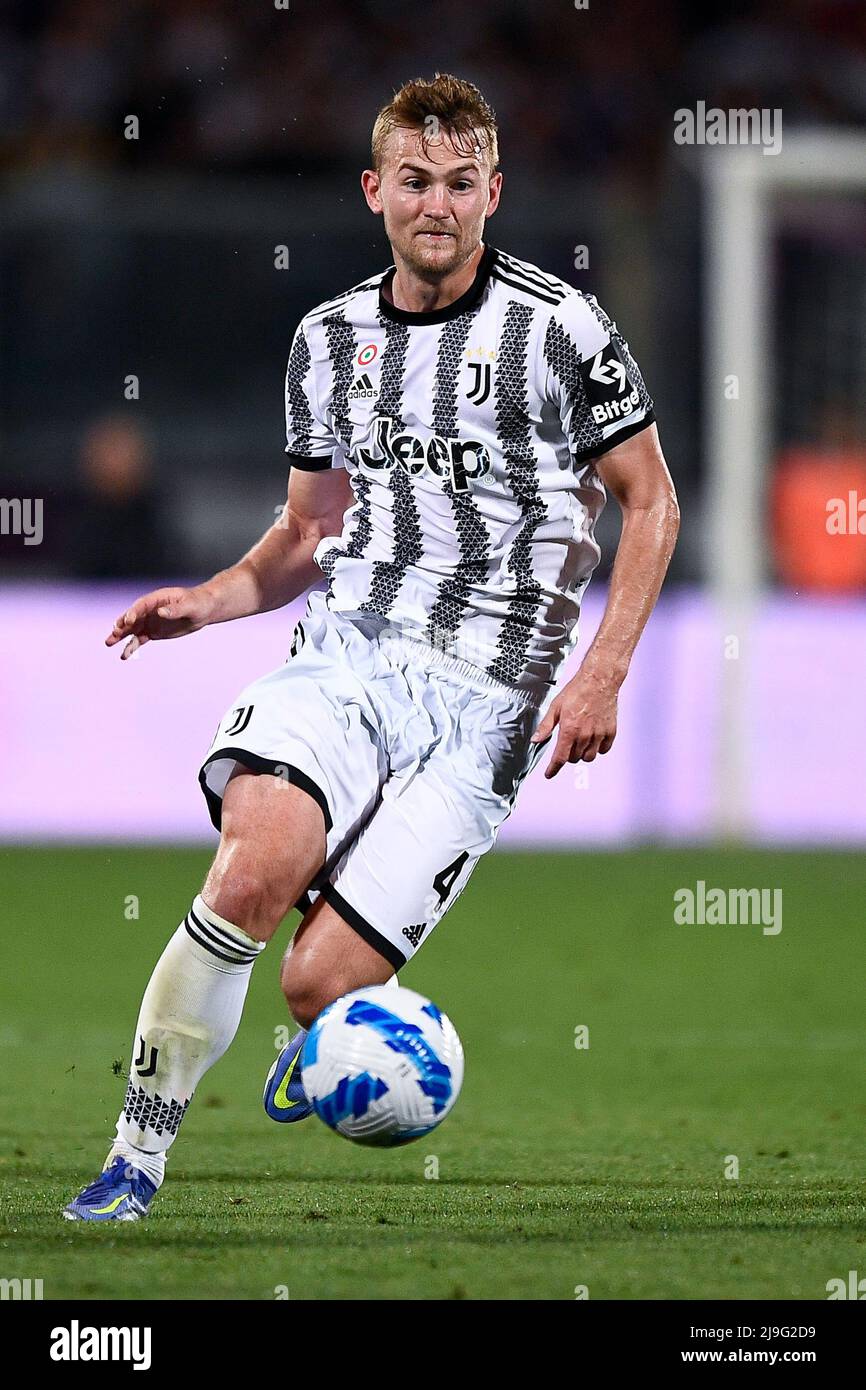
[741, 185]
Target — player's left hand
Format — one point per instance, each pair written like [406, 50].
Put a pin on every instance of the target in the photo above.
[585, 714]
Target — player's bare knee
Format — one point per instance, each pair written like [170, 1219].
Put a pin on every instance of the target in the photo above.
[271, 843]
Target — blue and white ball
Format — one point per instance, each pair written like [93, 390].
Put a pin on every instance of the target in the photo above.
[382, 1065]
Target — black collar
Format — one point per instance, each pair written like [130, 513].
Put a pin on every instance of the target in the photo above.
[448, 311]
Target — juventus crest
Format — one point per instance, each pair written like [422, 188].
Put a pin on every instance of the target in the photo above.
[482, 377]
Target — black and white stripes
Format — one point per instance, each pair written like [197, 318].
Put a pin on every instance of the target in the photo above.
[517, 275]
[473, 537]
[408, 537]
[342, 344]
[232, 947]
[299, 416]
[521, 466]
[466, 431]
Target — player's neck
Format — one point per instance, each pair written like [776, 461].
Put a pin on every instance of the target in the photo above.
[410, 292]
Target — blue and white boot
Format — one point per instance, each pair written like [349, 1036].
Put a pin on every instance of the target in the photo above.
[284, 1097]
[120, 1193]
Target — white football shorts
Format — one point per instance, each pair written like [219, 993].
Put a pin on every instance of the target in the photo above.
[414, 756]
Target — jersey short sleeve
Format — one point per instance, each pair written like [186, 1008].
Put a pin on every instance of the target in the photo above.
[310, 442]
[593, 378]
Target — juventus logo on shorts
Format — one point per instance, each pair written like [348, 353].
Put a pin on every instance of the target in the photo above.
[150, 1069]
[480, 389]
[241, 720]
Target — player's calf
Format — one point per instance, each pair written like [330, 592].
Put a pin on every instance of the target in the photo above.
[327, 959]
[193, 1003]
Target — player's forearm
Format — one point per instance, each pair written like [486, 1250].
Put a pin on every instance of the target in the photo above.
[647, 543]
[277, 569]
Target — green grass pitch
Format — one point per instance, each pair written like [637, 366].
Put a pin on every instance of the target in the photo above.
[560, 1167]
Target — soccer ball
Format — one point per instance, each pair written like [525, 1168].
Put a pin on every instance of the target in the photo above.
[382, 1066]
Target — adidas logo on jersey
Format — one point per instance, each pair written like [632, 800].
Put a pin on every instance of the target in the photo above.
[458, 460]
[362, 389]
[415, 933]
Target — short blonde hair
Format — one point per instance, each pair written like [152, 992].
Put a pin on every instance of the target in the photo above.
[446, 104]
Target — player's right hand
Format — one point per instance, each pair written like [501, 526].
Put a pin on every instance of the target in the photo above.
[159, 615]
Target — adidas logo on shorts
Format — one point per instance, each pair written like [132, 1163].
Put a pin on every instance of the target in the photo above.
[362, 389]
[415, 933]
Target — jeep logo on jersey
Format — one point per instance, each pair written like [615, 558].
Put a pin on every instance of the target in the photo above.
[458, 460]
[610, 394]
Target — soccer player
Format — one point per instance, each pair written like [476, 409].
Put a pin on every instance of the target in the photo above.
[453, 424]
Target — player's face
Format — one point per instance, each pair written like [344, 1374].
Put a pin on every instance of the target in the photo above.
[434, 200]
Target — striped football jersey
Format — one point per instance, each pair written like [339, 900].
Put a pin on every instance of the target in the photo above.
[470, 435]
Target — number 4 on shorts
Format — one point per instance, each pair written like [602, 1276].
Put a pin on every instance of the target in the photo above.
[446, 878]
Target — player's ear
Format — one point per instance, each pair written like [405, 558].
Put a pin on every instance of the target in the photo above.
[371, 184]
[495, 192]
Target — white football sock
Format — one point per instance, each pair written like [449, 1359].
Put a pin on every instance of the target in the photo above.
[189, 1014]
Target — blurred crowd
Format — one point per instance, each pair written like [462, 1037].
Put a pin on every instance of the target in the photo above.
[216, 83]
[265, 111]
[115, 521]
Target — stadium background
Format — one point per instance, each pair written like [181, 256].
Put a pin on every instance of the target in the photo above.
[154, 258]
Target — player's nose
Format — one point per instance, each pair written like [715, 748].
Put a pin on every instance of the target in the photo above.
[438, 202]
